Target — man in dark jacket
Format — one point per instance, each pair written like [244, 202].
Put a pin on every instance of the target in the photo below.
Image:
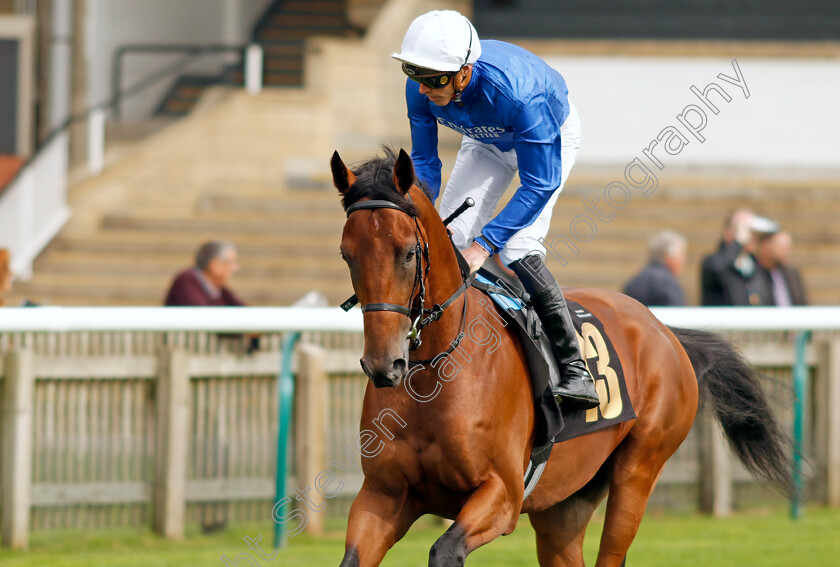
[205, 284]
[657, 283]
[784, 280]
[731, 275]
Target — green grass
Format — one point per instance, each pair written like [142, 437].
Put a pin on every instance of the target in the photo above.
[753, 539]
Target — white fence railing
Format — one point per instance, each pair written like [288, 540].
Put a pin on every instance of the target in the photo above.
[34, 207]
[281, 319]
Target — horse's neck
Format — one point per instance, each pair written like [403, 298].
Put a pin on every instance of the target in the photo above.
[443, 280]
[445, 271]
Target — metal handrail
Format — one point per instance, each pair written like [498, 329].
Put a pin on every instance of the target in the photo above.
[192, 53]
[117, 95]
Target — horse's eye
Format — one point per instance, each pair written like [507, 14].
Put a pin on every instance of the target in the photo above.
[343, 257]
[410, 256]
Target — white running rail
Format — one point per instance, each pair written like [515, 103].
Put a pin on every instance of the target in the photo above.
[279, 319]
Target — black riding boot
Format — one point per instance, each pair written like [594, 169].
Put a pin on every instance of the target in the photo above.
[576, 388]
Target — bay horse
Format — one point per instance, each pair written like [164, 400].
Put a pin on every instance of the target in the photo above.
[460, 428]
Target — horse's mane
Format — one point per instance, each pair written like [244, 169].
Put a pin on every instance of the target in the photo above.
[374, 180]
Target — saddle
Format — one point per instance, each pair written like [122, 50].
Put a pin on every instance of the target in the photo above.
[513, 304]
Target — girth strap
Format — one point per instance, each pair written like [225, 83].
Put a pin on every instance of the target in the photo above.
[539, 458]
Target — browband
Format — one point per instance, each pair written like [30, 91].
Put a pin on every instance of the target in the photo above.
[375, 204]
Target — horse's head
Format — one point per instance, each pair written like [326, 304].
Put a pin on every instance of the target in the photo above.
[384, 247]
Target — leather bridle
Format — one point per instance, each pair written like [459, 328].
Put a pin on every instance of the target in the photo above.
[420, 315]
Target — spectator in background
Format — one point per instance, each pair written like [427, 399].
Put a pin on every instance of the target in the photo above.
[730, 276]
[657, 283]
[784, 280]
[205, 284]
[5, 275]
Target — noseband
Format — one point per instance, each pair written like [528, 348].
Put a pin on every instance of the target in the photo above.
[424, 316]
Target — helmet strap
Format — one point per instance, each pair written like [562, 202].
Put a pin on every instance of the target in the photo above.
[460, 81]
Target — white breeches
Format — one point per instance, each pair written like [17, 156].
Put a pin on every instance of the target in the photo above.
[484, 172]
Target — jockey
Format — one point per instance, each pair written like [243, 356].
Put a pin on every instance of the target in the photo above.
[514, 113]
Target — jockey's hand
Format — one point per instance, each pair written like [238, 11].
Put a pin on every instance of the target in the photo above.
[475, 256]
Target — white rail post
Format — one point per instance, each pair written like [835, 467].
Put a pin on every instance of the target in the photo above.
[17, 448]
[254, 68]
[96, 142]
[171, 450]
[715, 490]
[312, 399]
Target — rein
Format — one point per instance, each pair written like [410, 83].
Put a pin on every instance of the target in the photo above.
[424, 316]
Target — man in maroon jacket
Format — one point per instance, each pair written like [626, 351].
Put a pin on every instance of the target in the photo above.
[206, 282]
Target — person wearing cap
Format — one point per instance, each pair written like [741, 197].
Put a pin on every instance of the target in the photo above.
[785, 281]
[730, 276]
[514, 113]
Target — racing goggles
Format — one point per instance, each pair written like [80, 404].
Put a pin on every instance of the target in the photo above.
[428, 77]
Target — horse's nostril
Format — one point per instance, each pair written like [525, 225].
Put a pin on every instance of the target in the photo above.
[383, 376]
[399, 368]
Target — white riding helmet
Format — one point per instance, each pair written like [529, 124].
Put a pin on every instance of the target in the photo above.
[441, 40]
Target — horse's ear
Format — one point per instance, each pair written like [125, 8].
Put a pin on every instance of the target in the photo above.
[403, 172]
[343, 178]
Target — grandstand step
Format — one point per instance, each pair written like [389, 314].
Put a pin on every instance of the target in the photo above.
[115, 239]
[313, 21]
[267, 265]
[282, 79]
[642, 227]
[311, 202]
[270, 211]
[145, 285]
[123, 296]
[184, 95]
[288, 64]
[131, 243]
[289, 228]
[305, 6]
[734, 185]
[249, 271]
[291, 33]
[277, 49]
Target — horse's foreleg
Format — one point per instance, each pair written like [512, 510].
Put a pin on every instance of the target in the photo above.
[492, 510]
[376, 522]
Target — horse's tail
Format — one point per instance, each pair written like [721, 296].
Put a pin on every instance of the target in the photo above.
[733, 389]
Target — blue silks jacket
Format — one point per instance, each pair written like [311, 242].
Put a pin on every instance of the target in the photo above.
[514, 100]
